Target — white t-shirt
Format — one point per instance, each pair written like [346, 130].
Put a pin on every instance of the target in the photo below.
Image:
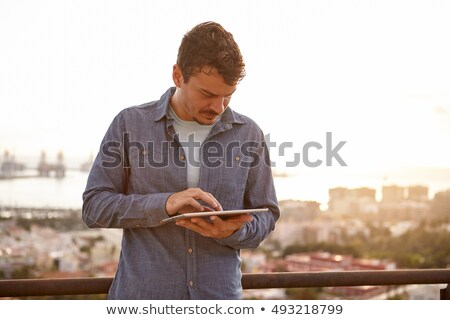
[191, 135]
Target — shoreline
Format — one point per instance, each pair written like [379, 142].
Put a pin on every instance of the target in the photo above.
[30, 213]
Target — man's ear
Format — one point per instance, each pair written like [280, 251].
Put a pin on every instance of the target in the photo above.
[177, 76]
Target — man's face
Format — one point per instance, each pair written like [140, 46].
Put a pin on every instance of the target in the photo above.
[203, 98]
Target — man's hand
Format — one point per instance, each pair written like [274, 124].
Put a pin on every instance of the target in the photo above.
[215, 227]
[187, 201]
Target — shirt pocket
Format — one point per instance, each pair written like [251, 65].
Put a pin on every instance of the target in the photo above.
[147, 171]
[232, 181]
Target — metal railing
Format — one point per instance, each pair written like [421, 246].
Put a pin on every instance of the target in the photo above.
[78, 286]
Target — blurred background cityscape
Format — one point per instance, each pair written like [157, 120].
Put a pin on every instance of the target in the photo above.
[379, 227]
[374, 74]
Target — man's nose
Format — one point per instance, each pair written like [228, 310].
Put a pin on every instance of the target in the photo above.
[218, 105]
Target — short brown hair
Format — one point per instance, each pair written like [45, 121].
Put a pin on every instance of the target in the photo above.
[209, 44]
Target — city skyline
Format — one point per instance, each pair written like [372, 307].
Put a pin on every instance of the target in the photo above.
[65, 191]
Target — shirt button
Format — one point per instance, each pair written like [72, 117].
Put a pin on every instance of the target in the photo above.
[238, 158]
[191, 283]
[190, 250]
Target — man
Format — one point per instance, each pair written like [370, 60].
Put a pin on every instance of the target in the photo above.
[186, 152]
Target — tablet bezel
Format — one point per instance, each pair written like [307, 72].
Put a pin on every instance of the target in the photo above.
[222, 213]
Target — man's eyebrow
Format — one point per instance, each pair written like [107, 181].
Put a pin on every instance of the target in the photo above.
[213, 94]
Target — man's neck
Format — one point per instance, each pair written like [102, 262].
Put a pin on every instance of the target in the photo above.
[178, 107]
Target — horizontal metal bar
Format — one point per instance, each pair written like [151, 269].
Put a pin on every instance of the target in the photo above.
[77, 286]
[53, 287]
[344, 278]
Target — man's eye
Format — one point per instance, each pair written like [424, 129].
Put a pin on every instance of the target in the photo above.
[207, 95]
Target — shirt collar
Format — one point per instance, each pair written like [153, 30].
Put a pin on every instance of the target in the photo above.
[162, 110]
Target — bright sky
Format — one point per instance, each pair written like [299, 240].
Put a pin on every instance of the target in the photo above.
[374, 73]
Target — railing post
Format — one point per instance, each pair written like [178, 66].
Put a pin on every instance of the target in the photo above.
[445, 293]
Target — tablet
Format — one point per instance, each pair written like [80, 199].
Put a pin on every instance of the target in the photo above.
[225, 213]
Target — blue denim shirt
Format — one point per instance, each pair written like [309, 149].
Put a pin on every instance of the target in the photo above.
[140, 164]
